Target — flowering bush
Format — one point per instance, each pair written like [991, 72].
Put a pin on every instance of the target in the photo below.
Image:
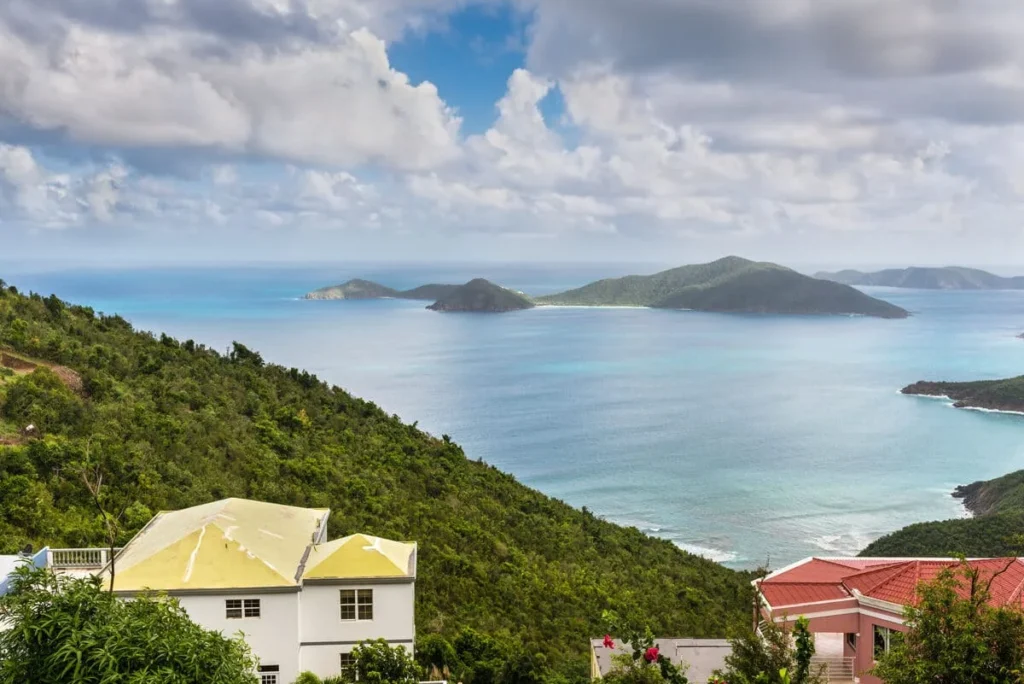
[644, 664]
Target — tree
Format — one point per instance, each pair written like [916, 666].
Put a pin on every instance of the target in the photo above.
[769, 657]
[377, 661]
[955, 636]
[68, 630]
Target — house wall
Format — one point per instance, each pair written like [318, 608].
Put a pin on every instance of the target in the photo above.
[865, 655]
[273, 637]
[324, 636]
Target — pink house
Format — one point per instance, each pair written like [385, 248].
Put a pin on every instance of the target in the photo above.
[855, 605]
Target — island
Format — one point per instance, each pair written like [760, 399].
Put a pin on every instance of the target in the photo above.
[479, 295]
[995, 395]
[733, 285]
[367, 289]
[945, 278]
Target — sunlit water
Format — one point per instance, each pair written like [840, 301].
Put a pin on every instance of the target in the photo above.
[737, 437]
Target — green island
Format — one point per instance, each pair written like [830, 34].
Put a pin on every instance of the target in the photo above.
[482, 295]
[731, 284]
[174, 423]
[944, 278]
[358, 288]
[996, 395]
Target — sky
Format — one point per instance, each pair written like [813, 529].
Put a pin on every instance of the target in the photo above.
[845, 132]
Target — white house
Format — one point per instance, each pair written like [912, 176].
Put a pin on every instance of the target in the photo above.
[267, 571]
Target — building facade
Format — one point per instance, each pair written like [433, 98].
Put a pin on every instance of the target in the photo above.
[855, 606]
[267, 571]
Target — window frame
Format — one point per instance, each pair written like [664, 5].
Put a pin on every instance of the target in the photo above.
[889, 637]
[232, 606]
[355, 605]
[269, 674]
[851, 640]
[348, 671]
[252, 608]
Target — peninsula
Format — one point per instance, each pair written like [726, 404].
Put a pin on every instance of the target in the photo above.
[996, 395]
[367, 289]
[481, 295]
[731, 284]
[946, 278]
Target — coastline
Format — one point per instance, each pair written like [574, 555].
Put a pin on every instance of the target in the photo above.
[960, 404]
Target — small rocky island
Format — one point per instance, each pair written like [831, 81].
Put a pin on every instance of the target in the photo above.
[481, 295]
[995, 395]
[367, 289]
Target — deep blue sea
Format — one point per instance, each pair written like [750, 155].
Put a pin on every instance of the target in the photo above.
[740, 437]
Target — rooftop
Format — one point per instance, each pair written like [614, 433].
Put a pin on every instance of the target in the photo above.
[894, 580]
[361, 556]
[700, 656]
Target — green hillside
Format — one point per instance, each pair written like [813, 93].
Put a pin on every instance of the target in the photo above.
[731, 284]
[432, 292]
[173, 424]
[354, 289]
[1003, 395]
[482, 296]
[944, 278]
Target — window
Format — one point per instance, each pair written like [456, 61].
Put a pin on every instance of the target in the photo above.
[252, 608]
[851, 640]
[235, 609]
[357, 604]
[268, 674]
[348, 667]
[885, 640]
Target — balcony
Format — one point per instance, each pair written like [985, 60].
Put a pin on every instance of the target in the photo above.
[78, 561]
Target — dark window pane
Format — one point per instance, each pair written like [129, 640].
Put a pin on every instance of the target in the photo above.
[366, 604]
[348, 604]
[252, 608]
[233, 609]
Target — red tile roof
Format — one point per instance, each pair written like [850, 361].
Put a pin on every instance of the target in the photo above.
[892, 580]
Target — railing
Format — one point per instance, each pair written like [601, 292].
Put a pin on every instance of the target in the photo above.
[80, 559]
[836, 669]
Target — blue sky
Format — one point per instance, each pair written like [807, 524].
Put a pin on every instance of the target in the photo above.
[854, 131]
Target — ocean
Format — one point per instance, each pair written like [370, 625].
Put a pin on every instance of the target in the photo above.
[745, 438]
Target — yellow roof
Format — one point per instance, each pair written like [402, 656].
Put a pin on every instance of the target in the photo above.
[227, 544]
[361, 556]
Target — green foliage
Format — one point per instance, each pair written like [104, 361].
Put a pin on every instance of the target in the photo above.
[178, 424]
[729, 284]
[1005, 395]
[377, 662]
[956, 637]
[71, 631]
[481, 295]
[645, 664]
[475, 658]
[307, 678]
[772, 657]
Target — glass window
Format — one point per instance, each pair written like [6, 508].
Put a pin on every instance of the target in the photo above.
[348, 604]
[268, 674]
[348, 666]
[851, 640]
[366, 604]
[233, 609]
[252, 608]
[885, 640]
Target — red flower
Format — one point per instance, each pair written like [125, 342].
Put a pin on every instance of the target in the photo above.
[608, 643]
[651, 654]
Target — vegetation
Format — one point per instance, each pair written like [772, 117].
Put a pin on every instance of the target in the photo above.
[379, 663]
[947, 278]
[484, 296]
[72, 631]
[1002, 395]
[956, 637]
[731, 284]
[173, 424]
[645, 664]
[774, 656]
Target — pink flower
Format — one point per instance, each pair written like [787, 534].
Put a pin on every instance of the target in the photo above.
[608, 643]
[651, 654]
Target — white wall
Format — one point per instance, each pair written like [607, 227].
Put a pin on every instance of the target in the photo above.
[325, 636]
[273, 637]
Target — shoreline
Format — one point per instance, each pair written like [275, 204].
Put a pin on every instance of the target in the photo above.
[952, 403]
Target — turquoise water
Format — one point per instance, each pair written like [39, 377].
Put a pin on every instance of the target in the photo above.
[742, 438]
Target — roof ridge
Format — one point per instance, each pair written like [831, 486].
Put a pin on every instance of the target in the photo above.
[899, 568]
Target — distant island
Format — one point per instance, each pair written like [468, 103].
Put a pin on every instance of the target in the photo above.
[367, 289]
[482, 296]
[731, 284]
[997, 395]
[946, 278]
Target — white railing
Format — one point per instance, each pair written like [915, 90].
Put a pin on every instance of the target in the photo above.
[84, 559]
[836, 669]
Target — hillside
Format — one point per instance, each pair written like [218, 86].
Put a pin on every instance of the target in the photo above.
[173, 424]
[731, 284]
[1001, 395]
[946, 278]
[431, 292]
[353, 289]
[995, 529]
[483, 296]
